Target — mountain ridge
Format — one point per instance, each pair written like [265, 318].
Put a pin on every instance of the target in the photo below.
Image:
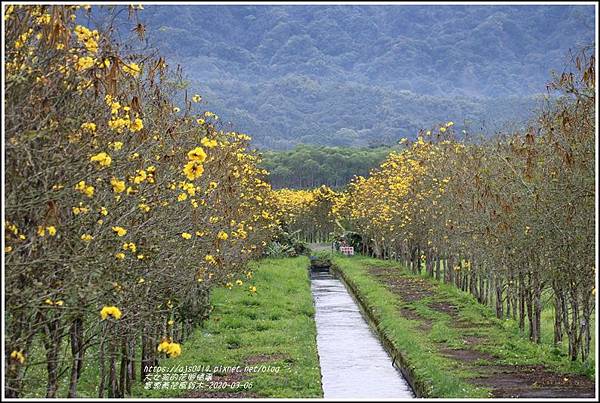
[366, 75]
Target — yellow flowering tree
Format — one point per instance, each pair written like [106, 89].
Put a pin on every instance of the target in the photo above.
[122, 209]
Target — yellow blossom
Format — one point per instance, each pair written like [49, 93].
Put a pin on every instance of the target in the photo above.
[88, 127]
[120, 231]
[193, 170]
[197, 154]
[117, 145]
[84, 63]
[171, 349]
[102, 158]
[118, 186]
[85, 189]
[17, 356]
[130, 246]
[110, 311]
[208, 142]
[140, 177]
[136, 125]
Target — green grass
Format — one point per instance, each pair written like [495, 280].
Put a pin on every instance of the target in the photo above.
[421, 347]
[547, 328]
[277, 321]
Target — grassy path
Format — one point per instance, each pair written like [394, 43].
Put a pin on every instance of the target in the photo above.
[455, 347]
[273, 328]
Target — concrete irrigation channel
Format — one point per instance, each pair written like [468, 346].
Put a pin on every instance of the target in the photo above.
[354, 362]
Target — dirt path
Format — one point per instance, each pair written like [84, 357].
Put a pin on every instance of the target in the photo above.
[503, 380]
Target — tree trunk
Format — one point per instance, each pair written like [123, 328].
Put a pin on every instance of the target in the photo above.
[521, 301]
[102, 364]
[557, 316]
[499, 303]
[112, 370]
[52, 347]
[529, 301]
[77, 354]
[585, 329]
[537, 307]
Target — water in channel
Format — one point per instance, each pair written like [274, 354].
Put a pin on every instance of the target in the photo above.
[353, 361]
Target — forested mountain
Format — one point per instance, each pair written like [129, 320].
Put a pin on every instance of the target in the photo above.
[366, 75]
[307, 166]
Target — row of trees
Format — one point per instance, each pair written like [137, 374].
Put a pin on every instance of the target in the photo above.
[307, 214]
[307, 166]
[508, 219]
[122, 209]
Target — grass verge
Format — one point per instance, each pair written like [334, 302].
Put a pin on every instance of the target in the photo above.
[423, 333]
[274, 327]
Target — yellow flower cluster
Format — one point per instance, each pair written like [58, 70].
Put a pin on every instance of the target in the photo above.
[102, 158]
[88, 38]
[120, 231]
[84, 63]
[18, 356]
[170, 348]
[208, 143]
[117, 185]
[88, 127]
[110, 311]
[42, 231]
[194, 168]
[121, 118]
[87, 190]
[130, 246]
